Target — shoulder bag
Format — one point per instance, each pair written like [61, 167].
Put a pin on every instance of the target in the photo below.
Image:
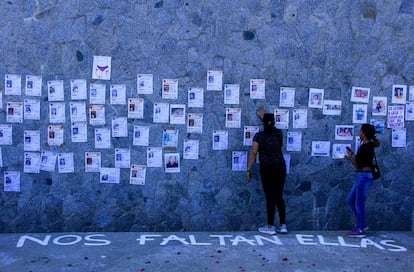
[375, 168]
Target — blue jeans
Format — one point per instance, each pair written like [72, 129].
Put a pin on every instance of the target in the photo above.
[358, 195]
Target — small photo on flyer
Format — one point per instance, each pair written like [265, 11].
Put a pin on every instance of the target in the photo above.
[360, 94]
[172, 162]
[343, 132]
[315, 98]
[399, 94]
[359, 113]
[379, 105]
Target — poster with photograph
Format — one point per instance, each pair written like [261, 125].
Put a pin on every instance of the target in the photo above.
[409, 111]
[31, 140]
[248, 135]
[97, 115]
[195, 97]
[170, 138]
[117, 94]
[169, 88]
[379, 105]
[332, 107]
[47, 161]
[136, 108]
[399, 94]
[287, 97]
[231, 94]
[79, 132]
[161, 112]
[145, 84]
[101, 67]
[191, 149]
[220, 140]
[11, 181]
[154, 157]
[97, 93]
[55, 135]
[294, 141]
[55, 91]
[411, 93]
[14, 112]
[399, 137]
[239, 161]
[339, 150]
[172, 162]
[65, 162]
[321, 148]
[31, 162]
[109, 175]
[281, 118]
[33, 85]
[122, 157]
[13, 84]
[137, 174]
[78, 111]
[6, 134]
[78, 89]
[379, 125]
[31, 109]
[316, 97]
[141, 136]
[344, 132]
[57, 112]
[92, 161]
[396, 116]
[119, 127]
[177, 114]
[300, 118]
[214, 80]
[360, 94]
[257, 88]
[195, 123]
[359, 113]
[233, 117]
[102, 138]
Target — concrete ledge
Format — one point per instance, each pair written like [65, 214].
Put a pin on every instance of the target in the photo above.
[202, 251]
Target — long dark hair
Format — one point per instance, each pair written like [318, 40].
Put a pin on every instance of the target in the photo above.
[268, 122]
[369, 132]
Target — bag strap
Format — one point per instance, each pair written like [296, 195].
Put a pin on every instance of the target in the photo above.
[375, 159]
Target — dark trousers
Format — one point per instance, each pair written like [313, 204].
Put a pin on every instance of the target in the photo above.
[273, 179]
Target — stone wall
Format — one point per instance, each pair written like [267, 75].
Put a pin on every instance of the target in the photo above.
[332, 45]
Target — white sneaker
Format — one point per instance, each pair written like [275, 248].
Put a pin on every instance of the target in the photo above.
[267, 230]
[283, 229]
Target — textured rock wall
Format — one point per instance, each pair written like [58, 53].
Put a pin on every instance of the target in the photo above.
[333, 45]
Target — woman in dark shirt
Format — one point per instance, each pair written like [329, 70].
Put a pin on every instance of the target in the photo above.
[362, 162]
[268, 144]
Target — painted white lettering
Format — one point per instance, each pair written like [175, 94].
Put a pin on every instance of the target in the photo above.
[239, 239]
[23, 238]
[365, 242]
[323, 242]
[147, 237]
[305, 239]
[342, 242]
[275, 240]
[395, 248]
[96, 242]
[173, 238]
[195, 243]
[76, 238]
[221, 238]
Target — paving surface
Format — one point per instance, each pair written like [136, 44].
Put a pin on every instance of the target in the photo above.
[202, 251]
